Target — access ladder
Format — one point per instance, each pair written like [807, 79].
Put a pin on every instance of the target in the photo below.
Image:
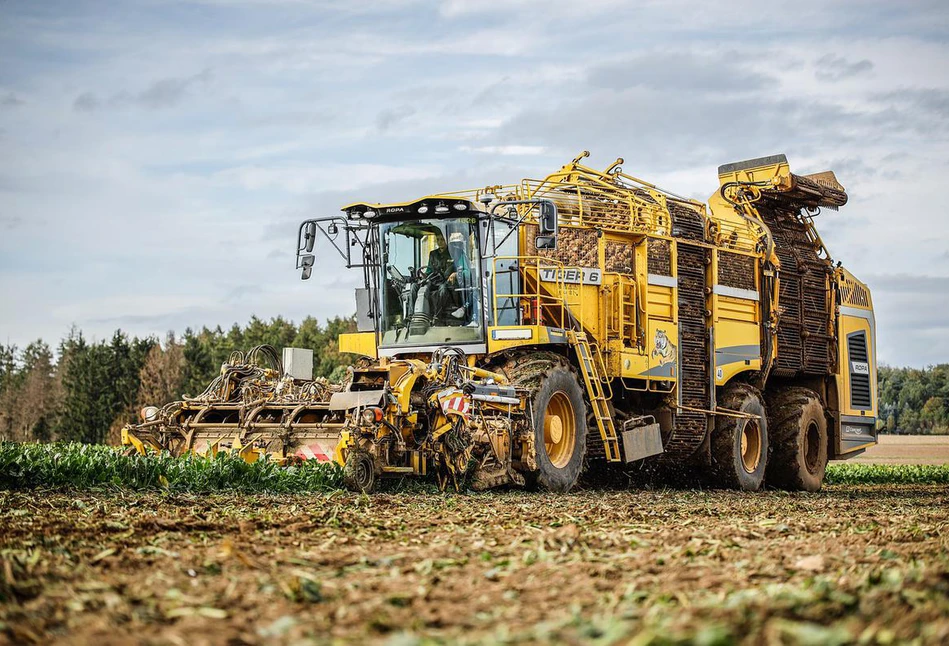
[594, 379]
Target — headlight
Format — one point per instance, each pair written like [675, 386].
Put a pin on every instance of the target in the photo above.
[149, 413]
[371, 415]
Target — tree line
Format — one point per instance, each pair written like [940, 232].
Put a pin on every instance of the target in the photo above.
[914, 400]
[88, 390]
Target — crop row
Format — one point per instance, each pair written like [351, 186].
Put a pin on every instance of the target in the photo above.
[85, 466]
[851, 473]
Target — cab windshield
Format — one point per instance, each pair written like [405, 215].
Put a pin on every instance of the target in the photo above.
[431, 282]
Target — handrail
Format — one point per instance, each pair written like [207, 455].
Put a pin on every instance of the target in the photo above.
[556, 300]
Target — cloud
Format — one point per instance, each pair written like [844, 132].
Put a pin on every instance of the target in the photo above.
[910, 284]
[163, 93]
[921, 102]
[680, 72]
[86, 102]
[504, 150]
[10, 100]
[243, 293]
[391, 117]
[912, 322]
[166, 93]
[10, 222]
[831, 67]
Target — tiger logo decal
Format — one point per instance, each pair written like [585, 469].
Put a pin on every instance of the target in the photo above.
[663, 348]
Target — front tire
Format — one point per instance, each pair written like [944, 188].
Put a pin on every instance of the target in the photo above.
[800, 444]
[359, 472]
[740, 444]
[560, 430]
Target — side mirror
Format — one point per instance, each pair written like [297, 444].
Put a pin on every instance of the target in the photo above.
[547, 226]
[545, 242]
[309, 236]
[307, 264]
[548, 218]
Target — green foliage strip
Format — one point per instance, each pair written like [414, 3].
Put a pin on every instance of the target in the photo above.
[86, 466]
[851, 473]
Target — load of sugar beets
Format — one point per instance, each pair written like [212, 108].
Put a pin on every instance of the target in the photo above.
[523, 334]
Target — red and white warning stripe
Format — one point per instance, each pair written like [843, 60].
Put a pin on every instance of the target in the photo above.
[456, 403]
[312, 452]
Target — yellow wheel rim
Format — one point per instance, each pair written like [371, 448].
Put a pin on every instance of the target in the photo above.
[750, 445]
[560, 430]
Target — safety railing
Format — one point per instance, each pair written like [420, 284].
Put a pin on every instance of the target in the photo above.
[541, 288]
[613, 200]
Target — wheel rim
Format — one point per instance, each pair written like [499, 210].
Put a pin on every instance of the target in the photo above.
[750, 446]
[362, 474]
[560, 429]
[812, 448]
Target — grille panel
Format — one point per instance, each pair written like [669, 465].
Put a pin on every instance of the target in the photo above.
[860, 392]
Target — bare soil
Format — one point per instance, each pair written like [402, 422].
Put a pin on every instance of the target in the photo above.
[908, 449]
[867, 564]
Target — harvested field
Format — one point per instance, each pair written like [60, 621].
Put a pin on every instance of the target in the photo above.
[853, 563]
[908, 449]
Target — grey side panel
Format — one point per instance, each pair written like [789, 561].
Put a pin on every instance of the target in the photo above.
[556, 335]
[364, 320]
[356, 399]
[736, 353]
[479, 348]
[642, 442]
[856, 432]
[752, 163]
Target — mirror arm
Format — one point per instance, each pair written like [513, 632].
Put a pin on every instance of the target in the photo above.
[520, 220]
[352, 237]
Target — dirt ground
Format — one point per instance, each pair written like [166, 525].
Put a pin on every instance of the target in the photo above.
[851, 564]
[908, 449]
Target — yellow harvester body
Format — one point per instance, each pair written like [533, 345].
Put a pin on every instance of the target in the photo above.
[522, 334]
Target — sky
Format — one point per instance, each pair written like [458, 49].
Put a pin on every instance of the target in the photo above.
[156, 157]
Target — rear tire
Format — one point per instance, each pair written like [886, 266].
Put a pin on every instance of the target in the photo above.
[740, 445]
[799, 457]
[359, 473]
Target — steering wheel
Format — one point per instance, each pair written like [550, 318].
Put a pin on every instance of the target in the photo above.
[423, 277]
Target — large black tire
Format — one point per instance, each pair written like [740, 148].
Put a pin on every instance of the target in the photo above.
[799, 440]
[740, 445]
[359, 473]
[560, 430]
[544, 375]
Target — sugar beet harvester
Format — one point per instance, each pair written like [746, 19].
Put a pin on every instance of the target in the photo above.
[519, 334]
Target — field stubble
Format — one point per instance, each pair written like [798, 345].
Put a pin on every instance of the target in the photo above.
[855, 563]
[907, 449]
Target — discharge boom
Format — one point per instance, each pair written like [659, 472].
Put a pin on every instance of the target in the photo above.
[523, 334]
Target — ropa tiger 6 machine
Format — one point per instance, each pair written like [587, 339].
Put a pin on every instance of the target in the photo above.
[516, 335]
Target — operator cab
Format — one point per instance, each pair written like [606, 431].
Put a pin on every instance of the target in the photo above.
[422, 264]
[433, 268]
[431, 289]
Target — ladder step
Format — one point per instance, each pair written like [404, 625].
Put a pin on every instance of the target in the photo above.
[601, 410]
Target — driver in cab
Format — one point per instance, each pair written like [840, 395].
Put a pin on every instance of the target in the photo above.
[444, 266]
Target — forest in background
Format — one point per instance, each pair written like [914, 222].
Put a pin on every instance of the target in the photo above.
[86, 391]
[914, 400]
